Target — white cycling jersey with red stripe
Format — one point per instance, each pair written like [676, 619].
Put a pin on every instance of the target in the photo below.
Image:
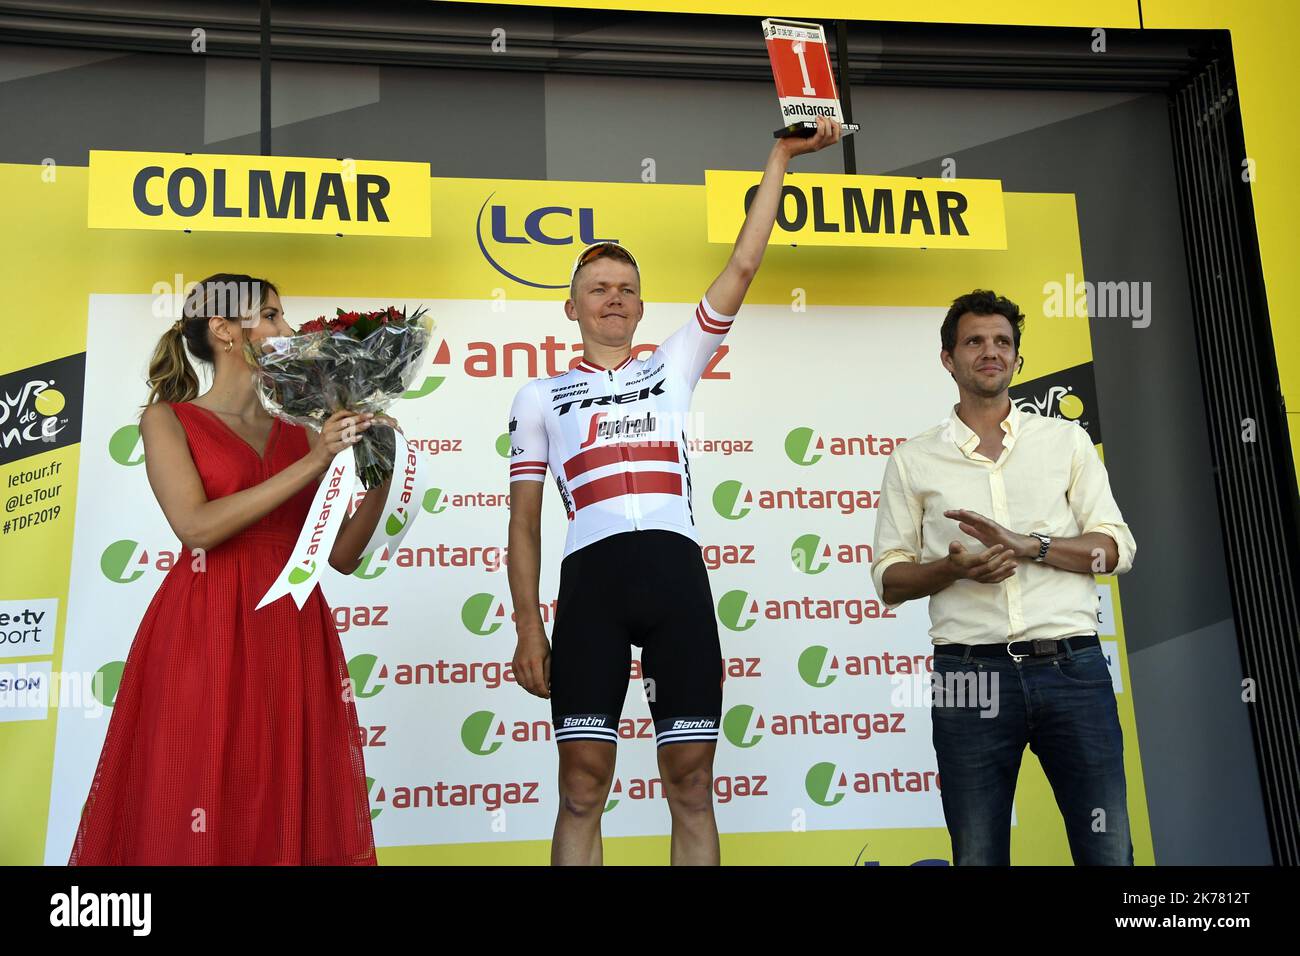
[615, 439]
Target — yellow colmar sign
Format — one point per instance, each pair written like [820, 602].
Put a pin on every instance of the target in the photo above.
[131, 190]
[822, 209]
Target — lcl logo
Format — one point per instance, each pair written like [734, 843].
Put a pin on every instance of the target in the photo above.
[543, 226]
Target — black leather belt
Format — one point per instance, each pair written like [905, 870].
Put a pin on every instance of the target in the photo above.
[1040, 647]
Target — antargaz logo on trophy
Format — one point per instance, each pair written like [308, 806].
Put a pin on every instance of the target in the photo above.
[732, 500]
[365, 681]
[737, 611]
[124, 561]
[396, 520]
[431, 382]
[817, 666]
[826, 784]
[741, 725]
[125, 446]
[476, 730]
[483, 614]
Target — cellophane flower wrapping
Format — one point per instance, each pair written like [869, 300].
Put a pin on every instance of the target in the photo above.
[362, 362]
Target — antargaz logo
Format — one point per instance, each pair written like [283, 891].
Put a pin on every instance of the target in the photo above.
[124, 561]
[731, 500]
[615, 793]
[826, 784]
[107, 680]
[125, 446]
[804, 446]
[365, 682]
[396, 521]
[373, 564]
[808, 555]
[741, 726]
[474, 733]
[483, 614]
[737, 611]
[374, 797]
[431, 382]
[302, 572]
[503, 445]
[435, 501]
[817, 666]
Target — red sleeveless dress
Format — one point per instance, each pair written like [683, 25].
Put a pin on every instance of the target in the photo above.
[232, 740]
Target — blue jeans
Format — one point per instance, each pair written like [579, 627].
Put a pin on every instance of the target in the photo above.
[1064, 708]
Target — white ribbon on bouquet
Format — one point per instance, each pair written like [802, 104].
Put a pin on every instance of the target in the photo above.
[316, 540]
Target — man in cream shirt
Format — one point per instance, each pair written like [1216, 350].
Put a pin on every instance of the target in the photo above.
[1001, 519]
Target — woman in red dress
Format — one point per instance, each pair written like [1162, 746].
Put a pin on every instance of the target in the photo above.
[234, 737]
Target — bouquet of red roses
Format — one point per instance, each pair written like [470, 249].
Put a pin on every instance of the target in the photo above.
[362, 361]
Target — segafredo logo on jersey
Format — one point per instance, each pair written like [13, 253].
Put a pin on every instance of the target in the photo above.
[627, 427]
[534, 245]
[438, 374]
[733, 500]
[366, 681]
[805, 446]
[126, 447]
[826, 784]
[742, 726]
[737, 610]
[483, 614]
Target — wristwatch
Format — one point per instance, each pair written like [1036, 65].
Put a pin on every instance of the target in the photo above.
[1044, 542]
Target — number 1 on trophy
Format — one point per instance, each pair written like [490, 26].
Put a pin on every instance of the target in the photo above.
[805, 83]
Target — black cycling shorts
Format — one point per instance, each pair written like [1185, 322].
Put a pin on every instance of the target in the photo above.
[651, 589]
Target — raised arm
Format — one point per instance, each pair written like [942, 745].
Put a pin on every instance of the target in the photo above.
[728, 290]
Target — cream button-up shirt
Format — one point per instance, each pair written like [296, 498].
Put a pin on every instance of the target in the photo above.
[1048, 478]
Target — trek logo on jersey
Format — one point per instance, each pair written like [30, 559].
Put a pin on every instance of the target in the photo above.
[733, 500]
[125, 446]
[517, 242]
[811, 555]
[483, 614]
[737, 611]
[430, 383]
[805, 446]
[365, 681]
[107, 681]
[624, 398]
[627, 427]
[826, 784]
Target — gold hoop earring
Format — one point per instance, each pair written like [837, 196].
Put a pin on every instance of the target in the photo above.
[228, 345]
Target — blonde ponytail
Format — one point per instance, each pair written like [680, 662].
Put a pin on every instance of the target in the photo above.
[171, 378]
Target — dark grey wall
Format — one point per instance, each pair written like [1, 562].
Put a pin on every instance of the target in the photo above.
[1111, 150]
